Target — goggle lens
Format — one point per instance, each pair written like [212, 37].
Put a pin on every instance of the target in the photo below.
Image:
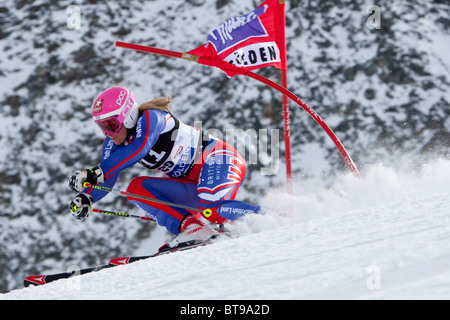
[109, 126]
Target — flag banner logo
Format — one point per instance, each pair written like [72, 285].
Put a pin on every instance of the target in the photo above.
[251, 41]
[255, 55]
[236, 30]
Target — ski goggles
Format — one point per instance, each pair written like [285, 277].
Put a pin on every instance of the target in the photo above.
[110, 125]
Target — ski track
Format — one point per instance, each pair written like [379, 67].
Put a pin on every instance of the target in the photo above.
[392, 249]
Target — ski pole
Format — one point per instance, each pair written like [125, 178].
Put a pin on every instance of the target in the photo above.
[207, 212]
[120, 214]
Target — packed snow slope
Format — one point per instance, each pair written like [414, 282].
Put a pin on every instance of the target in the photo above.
[385, 236]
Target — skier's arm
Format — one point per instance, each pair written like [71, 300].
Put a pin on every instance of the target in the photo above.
[108, 149]
[117, 158]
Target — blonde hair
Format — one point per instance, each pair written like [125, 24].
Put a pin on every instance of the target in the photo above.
[160, 103]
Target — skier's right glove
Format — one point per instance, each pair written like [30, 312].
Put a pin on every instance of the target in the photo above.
[91, 176]
[81, 206]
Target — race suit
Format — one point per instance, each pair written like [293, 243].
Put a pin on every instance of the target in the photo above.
[202, 171]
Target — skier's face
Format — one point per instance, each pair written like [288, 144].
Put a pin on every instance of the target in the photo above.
[119, 137]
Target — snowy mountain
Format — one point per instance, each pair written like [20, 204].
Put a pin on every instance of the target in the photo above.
[384, 92]
[347, 242]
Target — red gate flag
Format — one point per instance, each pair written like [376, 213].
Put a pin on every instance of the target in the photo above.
[250, 41]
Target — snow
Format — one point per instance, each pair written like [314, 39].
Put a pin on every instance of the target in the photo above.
[385, 236]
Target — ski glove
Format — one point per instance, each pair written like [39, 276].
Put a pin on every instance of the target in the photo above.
[81, 206]
[91, 176]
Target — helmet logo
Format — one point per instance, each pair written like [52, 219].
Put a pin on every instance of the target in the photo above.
[98, 106]
[127, 108]
[120, 98]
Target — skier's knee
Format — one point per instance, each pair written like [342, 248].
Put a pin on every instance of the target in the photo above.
[210, 212]
[135, 184]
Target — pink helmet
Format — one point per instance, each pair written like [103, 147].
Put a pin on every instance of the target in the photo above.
[113, 108]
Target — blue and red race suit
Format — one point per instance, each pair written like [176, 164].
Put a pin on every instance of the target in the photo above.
[202, 171]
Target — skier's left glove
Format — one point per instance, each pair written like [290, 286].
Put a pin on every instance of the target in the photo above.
[81, 206]
[91, 176]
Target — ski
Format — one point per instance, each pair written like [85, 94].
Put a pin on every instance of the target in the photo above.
[165, 249]
[39, 280]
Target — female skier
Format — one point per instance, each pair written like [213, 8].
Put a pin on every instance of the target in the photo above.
[202, 171]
